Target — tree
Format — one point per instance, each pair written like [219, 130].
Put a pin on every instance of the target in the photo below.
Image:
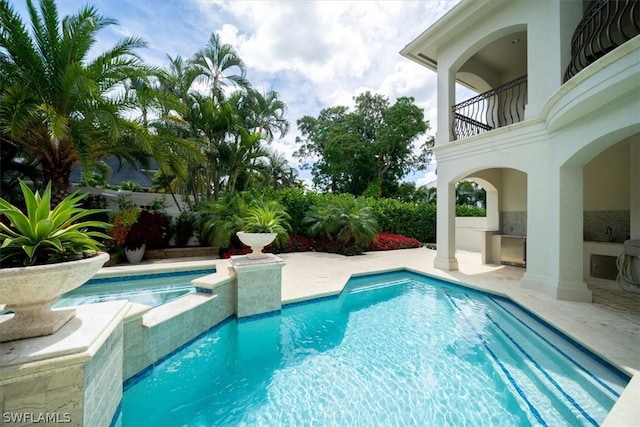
[266, 114]
[367, 151]
[276, 171]
[58, 106]
[218, 65]
[470, 193]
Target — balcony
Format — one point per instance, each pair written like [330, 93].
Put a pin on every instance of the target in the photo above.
[605, 26]
[493, 109]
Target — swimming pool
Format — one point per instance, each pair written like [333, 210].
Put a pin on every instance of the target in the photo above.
[151, 289]
[392, 349]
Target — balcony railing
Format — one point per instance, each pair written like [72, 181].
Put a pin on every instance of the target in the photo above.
[607, 25]
[498, 107]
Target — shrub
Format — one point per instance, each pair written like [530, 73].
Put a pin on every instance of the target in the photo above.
[344, 220]
[133, 227]
[130, 186]
[470, 210]
[412, 219]
[417, 220]
[296, 243]
[388, 242]
[242, 212]
[187, 223]
[297, 203]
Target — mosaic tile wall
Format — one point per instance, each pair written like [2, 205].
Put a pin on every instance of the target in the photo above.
[596, 223]
[513, 223]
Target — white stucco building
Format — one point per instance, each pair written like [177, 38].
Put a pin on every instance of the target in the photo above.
[554, 137]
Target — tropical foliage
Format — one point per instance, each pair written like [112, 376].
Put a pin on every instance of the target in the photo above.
[267, 217]
[44, 235]
[60, 109]
[54, 104]
[134, 227]
[346, 220]
[247, 212]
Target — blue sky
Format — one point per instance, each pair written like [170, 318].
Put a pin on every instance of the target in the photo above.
[315, 54]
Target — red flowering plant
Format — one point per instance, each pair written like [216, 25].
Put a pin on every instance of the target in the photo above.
[133, 227]
[389, 241]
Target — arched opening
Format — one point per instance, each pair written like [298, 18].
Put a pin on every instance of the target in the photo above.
[495, 71]
[611, 183]
[504, 199]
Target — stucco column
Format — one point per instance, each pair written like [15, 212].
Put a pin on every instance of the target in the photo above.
[634, 188]
[446, 227]
[554, 235]
[570, 282]
[446, 99]
[539, 233]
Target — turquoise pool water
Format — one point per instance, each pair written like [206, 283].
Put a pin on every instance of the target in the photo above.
[392, 349]
[151, 289]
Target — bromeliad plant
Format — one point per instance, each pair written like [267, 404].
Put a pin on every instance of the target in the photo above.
[46, 236]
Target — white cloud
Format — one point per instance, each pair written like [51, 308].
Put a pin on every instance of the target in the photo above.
[429, 179]
[315, 54]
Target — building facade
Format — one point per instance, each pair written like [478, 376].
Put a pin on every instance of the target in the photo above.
[553, 135]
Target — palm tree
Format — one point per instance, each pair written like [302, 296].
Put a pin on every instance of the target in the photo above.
[218, 65]
[237, 159]
[56, 105]
[267, 114]
[276, 171]
[427, 194]
[470, 193]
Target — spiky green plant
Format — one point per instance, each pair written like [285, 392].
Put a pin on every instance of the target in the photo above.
[267, 218]
[45, 236]
[344, 219]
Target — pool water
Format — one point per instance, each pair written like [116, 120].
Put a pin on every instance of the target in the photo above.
[392, 349]
[150, 289]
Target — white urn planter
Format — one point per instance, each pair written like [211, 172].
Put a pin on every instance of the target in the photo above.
[30, 291]
[134, 256]
[257, 241]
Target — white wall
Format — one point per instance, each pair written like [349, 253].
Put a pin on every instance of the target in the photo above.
[140, 199]
[606, 179]
[514, 191]
[468, 233]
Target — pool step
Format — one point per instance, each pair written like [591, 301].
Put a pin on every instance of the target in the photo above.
[526, 366]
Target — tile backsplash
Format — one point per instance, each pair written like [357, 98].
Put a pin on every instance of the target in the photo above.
[596, 223]
[513, 223]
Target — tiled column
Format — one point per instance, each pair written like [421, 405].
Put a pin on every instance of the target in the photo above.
[73, 377]
[259, 283]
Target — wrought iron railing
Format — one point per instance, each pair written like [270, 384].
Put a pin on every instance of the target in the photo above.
[498, 107]
[607, 25]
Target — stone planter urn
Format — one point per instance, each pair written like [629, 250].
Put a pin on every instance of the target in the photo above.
[257, 241]
[134, 256]
[30, 291]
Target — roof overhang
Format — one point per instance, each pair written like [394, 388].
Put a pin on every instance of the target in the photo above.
[468, 13]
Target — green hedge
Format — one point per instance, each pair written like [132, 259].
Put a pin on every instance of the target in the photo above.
[417, 220]
[468, 210]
